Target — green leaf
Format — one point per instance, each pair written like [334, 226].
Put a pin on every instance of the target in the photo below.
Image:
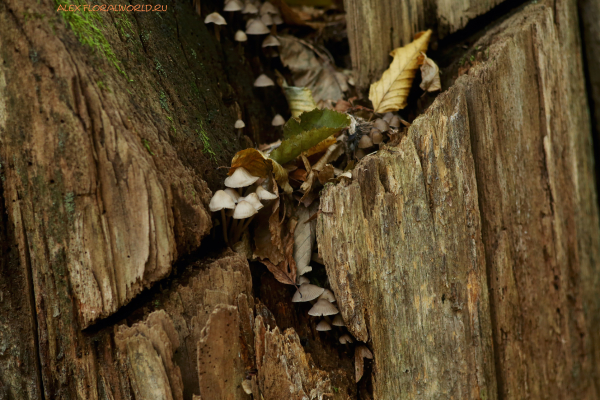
[313, 127]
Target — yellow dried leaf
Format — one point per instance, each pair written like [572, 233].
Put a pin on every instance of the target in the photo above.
[253, 160]
[300, 100]
[430, 75]
[390, 92]
[321, 147]
[281, 176]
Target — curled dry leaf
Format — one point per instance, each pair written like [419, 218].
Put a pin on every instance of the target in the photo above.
[299, 99]
[390, 92]
[304, 238]
[430, 75]
[321, 147]
[253, 160]
[360, 353]
[312, 128]
[285, 271]
[312, 69]
[326, 174]
[281, 176]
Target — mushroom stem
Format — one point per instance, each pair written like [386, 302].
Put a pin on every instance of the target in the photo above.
[224, 221]
[232, 230]
[217, 35]
[241, 227]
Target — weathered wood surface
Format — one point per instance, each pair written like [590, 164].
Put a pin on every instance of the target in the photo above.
[377, 27]
[494, 179]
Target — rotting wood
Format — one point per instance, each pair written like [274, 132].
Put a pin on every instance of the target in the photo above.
[377, 27]
[521, 198]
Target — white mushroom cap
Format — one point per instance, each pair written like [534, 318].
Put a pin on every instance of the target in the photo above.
[338, 321]
[345, 338]
[247, 386]
[328, 295]
[376, 136]
[263, 81]
[323, 326]
[221, 200]
[395, 122]
[215, 18]
[253, 199]
[233, 194]
[278, 120]
[240, 178]
[363, 352]
[240, 36]
[381, 125]
[266, 19]
[250, 9]
[268, 8]
[307, 292]
[264, 194]
[277, 20]
[257, 27]
[365, 142]
[323, 307]
[388, 117]
[244, 210]
[233, 5]
[302, 280]
[270, 41]
[239, 124]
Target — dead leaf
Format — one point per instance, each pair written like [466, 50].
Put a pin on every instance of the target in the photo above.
[285, 271]
[300, 99]
[326, 174]
[253, 160]
[281, 176]
[342, 106]
[299, 175]
[390, 92]
[430, 75]
[321, 147]
[312, 69]
[289, 16]
[304, 238]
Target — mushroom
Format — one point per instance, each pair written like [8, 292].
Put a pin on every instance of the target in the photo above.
[266, 19]
[345, 339]
[216, 19]
[278, 120]
[253, 199]
[270, 41]
[250, 9]
[388, 117]
[338, 321]
[240, 36]
[264, 194]
[323, 326]
[328, 295]
[239, 125]
[395, 122]
[247, 386]
[219, 202]
[365, 142]
[307, 292]
[277, 20]
[233, 194]
[360, 153]
[257, 27]
[243, 210]
[381, 125]
[322, 308]
[263, 81]
[240, 178]
[268, 8]
[376, 136]
[233, 5]
[360, 353]
[303, 279]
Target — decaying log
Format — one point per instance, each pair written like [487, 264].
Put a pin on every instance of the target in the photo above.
[493, 179]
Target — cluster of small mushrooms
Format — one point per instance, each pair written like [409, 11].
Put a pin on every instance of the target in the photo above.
[238, 206]
[259, 17]
[364, 141]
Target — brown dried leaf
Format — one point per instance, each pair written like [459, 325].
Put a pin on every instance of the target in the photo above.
[253, 160]
[281, 176]
[304, 238]
[285, 271]
[322, 146]
[326, 174]
[430, 75]
[299, 175]
[289, 16]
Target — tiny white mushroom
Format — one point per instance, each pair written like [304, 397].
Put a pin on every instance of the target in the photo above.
[268, 8]
[250, 9]
[240, 178]
[322, 308]
[328, 295]
[263, 81]
[376, 136]
[247, 386]
[345, 339]
[381, 125]
[395, 122]
[388, 117]
[270, 41]
[257, 27]
[277, 20]
[253, 199]
[338, 321]
[233, 194]
[240, 36]
[323, 326]
[239, 124]
[360, 353]
[307, 292]
[278, 120]
[365, 142]
[264, 194]
[233, 5]
[219, 202]
[242, 211]
[216, 19]
[302, 280]
[266, 19]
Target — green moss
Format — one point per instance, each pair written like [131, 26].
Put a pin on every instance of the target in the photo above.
[86, 26]
[164, 102]
[146, 143]
[207, 148]
[103, 86]
[159, 68]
